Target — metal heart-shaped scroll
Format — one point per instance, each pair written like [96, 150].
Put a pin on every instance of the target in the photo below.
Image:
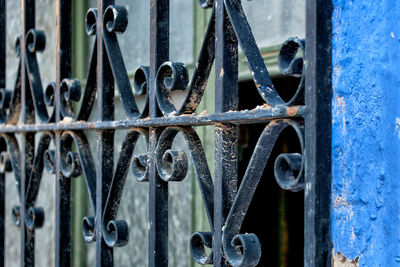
[115, 232]
[78, 161]
[10, 102]
[70, 89]
[9, 161]
[172, 166]
[115, 21]
[174, 76]
[245, 249]
[288, 61]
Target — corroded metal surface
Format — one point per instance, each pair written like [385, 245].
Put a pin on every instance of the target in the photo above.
[64, 150]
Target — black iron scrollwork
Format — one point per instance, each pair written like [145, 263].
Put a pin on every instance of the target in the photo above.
[172, 166]
[73, 164]
[245, 249]
[10, 159]
[291, 63]
[174, 76]
[288, 63]
[115, 232]
[36, 42]
[63, 108]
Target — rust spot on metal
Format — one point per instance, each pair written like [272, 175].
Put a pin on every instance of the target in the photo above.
[292, 111]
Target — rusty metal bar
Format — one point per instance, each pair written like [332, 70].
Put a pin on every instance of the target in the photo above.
[226, 135]
[318, 123]
[260, 115]
[158, 189]
[27, 139]
[105, 138]
[63, 184]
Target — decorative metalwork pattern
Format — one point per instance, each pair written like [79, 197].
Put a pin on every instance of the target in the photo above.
[63, 148]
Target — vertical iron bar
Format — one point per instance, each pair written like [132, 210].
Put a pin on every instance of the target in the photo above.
[105, 138]
[27, 139]
[318, 122]
[2, 85]
[63, 184]
[226, 135]
[158, 189]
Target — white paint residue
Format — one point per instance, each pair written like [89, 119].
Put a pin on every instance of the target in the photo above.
[397, 127]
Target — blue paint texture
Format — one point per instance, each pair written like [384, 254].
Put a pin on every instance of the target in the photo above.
[366, 131]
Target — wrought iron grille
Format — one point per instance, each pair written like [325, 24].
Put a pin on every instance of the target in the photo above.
[25, 112]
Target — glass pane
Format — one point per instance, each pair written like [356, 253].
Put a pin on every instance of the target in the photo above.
[273, 21]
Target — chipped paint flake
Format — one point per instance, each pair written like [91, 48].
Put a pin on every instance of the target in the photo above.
[339, 260]
[221, 73]
[397, 127]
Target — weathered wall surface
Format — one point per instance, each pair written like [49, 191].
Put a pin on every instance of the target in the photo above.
[366, 132]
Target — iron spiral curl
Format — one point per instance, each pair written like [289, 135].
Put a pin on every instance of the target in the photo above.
[35, 40]
[34, 218]
[49, 161]
[171, 76]
[70, 91]
[116, 19]
[141, 85]
[206, 3]
[90, 21]
[49, 96]
[172, 165]
[140, 162]
[88, 229]
[116, 233]
[198, 242]
[291, 63]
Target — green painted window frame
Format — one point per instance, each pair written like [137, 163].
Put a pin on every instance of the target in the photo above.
[80, 54]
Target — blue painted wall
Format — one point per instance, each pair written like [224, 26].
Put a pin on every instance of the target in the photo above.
[366, 131]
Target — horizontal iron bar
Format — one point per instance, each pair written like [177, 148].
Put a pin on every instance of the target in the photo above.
[256, 115]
